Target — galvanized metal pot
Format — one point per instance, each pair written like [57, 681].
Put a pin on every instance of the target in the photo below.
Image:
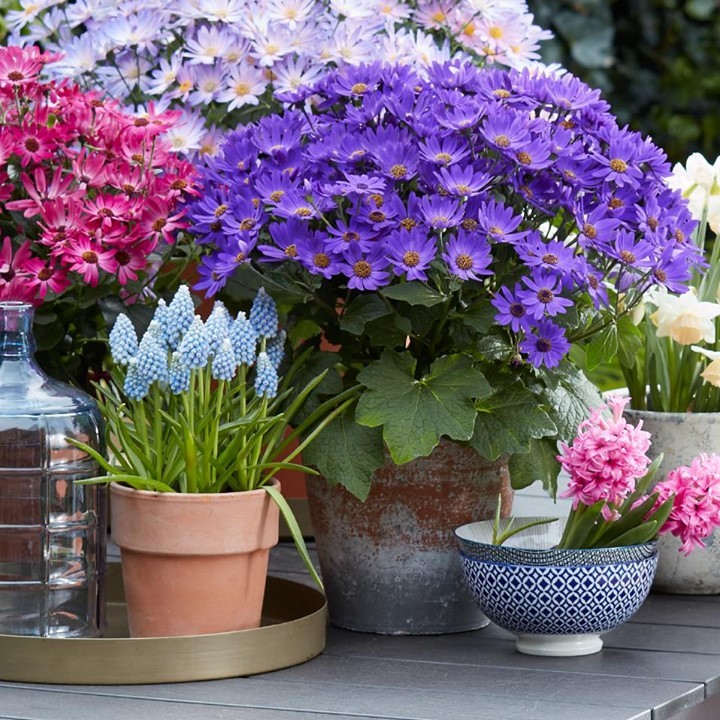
[390, 564]
[680, 437]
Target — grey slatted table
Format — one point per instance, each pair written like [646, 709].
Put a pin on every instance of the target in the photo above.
[664, 663]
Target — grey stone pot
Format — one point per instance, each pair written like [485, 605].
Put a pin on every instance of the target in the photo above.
[390, 565]
[680, 437]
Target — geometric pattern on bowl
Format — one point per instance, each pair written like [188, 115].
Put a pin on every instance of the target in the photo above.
[535, 546]
[559, 599]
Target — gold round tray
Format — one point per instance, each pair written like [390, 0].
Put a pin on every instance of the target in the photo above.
[292, 631]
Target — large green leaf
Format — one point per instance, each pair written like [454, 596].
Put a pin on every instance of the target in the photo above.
[414, 293]
[629, 341]
[569, 402]
[602, 348]
[480, 317]
[362, 310]
[538, 464]
[507, 421]
[348, 454]
[414, 413]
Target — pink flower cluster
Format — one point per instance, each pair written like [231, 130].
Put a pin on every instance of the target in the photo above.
[606, 458]
[87, 190]
[696, 507]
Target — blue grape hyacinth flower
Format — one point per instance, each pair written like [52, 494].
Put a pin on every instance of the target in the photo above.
[179, 380]
[244, 340]
[123, 340]
[224, 363]
[263, 315]
[194, 348]
[266, 377]
[179, 317]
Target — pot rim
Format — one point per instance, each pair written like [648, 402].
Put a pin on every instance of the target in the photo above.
[119, 489]
[463, 537]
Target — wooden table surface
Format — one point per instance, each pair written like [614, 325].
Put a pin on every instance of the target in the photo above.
[664, 663]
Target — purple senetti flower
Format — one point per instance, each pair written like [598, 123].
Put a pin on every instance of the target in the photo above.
[286, 236]
[359, 185]
[541, 296]
[315, 255]
[410, 252]
[444, 151]
[552, 256]
[463, 181]
[511, 310]
[346, 234]
[546, 345]
[467, 255]
[500, 222]
[365, 271]
[441, 212]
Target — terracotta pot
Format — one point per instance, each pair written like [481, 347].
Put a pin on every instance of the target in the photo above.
[193, 563]
[390, 565]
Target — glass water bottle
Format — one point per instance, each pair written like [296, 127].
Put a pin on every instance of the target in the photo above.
[52, 530]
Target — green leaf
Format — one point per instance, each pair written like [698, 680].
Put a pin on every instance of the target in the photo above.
[480, 317]
[295, 531]
[629, 341]
[414, 293]
[507, 421]
[494, 347]
[602, 348]
[538, 464]
[390, 331]
[362, 310]
[570, 401]
[415, 413]
[347, 454]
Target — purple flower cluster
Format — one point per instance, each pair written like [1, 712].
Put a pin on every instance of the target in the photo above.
[512, 186]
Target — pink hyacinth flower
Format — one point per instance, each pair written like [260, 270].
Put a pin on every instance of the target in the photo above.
[606, 458]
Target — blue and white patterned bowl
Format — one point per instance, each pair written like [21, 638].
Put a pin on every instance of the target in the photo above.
[560, 606]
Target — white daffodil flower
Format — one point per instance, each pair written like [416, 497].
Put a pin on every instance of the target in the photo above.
[684, 318]
[711, 374]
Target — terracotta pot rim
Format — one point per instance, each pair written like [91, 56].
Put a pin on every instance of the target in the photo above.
[180, 497]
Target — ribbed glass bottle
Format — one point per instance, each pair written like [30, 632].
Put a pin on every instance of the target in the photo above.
[52, 531]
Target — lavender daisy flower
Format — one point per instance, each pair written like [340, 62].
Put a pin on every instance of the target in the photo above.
[441, 212]
[266, 377]
[359, 185]
[263, 315]
[365, 271]
[286, 236]
[315, 255]
[547, 345]
[194, 348]
[500, 222]
[511, 310]
[552, 256]
[467, 256]
[123, 340]
[541, 297]
[444, 151]
[411, 253]
[505, 131]
[345, 234]
[463, 181]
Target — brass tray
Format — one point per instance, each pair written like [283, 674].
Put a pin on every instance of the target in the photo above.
[292, 631]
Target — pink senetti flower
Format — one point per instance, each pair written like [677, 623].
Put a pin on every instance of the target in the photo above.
[606, 458]
[696, 508]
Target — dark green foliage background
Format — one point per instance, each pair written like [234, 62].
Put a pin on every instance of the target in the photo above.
[656, 61]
